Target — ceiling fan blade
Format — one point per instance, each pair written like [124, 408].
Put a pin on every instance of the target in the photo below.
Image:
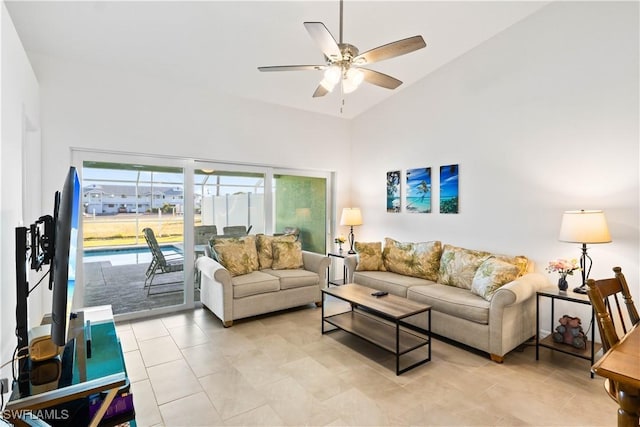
[320, 91]
[380, 79]
[325, 41]
[292, 67]
[391, 50]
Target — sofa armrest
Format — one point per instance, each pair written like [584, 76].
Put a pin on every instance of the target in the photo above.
[351, 262]
[316, 263]
[512, 314]
[216, 288]
[521, 289]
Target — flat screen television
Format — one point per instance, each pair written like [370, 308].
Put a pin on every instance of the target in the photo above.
[66, 220]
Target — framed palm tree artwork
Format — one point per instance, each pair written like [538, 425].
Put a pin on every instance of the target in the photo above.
[449, 188]
[418, 191]
[393, 191]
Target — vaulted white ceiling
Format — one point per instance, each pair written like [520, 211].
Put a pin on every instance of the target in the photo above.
[220, 44]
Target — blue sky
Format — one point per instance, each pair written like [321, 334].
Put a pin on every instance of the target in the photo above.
[449, 181]
[415, 177]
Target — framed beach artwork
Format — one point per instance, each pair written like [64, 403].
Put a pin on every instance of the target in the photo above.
[418, 190]
[449, 188]
[393, 191]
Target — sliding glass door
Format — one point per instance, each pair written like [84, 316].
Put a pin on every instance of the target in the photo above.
[182, 204]
[301, 201]
[229, 199]
[128, 210]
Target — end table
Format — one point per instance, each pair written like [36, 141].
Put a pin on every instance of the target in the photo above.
[330, 281]
[553, 293]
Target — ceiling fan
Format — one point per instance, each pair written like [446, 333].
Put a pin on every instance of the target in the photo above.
[344, 62]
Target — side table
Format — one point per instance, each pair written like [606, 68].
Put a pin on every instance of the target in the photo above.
[553, 293]
[330, 280]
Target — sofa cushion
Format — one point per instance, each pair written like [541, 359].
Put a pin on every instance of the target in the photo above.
[254, 283]
[298, 278]
[265, 250]
[369, 256]
[458, 266]
[396, 284]
[286, 255]
[456, 302]
[491, 275]
[237, 254]
[412, 259]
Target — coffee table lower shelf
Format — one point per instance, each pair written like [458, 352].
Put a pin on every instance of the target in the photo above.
[382, 334]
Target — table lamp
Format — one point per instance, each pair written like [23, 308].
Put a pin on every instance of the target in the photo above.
[584, 226]
[351, 217]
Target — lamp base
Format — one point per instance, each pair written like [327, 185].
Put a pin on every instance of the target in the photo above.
[580, 289]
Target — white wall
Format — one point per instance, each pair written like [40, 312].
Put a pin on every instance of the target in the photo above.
[97, 108]
[18, 125]
[541, 118]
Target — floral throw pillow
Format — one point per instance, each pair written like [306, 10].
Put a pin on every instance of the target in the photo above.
[519, 261]
[237, 254]
[265, 250]
[286, 255]
[491, 275]
[369, 256]
[412, 259]
[458, 266]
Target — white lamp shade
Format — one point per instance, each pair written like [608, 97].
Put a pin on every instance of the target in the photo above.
[584, 227]
[351, 216]
[353, 78]
[333, 74]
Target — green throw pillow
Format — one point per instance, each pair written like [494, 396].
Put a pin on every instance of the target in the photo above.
[412, 259]
[286, 255]
[491, 275]
[237, 254]
[369, 256]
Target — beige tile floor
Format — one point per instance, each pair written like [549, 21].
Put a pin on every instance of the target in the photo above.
[279, 370]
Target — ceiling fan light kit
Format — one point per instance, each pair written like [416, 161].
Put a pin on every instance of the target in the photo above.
[344, 63]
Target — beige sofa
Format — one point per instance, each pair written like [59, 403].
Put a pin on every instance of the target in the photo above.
[234, 292]
[476, 297]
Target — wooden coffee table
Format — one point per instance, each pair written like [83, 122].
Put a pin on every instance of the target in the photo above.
[381, 321]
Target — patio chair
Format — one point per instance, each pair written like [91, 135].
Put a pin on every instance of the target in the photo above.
[235, 230]
[160, 263]
[202, 234]
[293, 231]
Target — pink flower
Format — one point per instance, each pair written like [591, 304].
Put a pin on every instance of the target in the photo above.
[563, 266]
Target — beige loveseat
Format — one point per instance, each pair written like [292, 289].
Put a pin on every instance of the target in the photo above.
[259, 274]
[483, 300]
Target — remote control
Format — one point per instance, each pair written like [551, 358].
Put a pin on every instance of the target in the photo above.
[380, 293]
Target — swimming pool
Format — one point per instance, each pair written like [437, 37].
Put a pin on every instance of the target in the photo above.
[126, 256]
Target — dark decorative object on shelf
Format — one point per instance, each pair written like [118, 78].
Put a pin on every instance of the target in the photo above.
[563, 285]
[570, 332]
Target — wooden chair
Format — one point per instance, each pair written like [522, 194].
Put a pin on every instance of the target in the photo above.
[159, 263]
[605, 295]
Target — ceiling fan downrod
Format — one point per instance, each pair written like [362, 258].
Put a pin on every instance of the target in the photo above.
[341, 6]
